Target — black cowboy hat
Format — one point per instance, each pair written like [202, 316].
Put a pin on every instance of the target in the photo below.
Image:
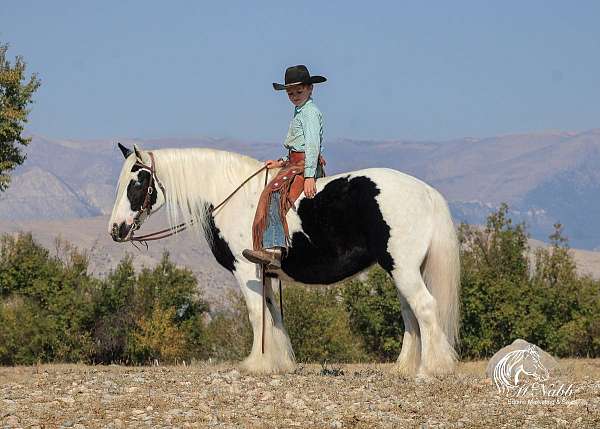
[297, 75]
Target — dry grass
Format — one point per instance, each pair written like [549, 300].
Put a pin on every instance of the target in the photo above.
[204, 395]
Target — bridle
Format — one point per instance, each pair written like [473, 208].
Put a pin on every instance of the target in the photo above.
[146, 207]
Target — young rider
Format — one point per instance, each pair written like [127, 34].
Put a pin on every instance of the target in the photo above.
[303, 142]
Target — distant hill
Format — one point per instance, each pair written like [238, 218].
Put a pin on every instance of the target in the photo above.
[545, 177]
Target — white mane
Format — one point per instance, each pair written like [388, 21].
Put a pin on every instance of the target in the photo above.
[196, 178]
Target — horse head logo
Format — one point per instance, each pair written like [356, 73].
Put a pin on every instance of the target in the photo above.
[519, 368]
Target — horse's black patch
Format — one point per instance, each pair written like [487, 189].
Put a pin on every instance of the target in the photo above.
[346, 233]
[219, 247]
[137, 189]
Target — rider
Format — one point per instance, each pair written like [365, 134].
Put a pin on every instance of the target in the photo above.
[303, 142]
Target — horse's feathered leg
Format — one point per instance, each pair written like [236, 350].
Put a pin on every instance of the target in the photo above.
[278, 355]
[410, 356]
[437, 356]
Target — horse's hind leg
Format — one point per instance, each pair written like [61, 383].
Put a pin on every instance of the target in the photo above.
[410, 355]
[437, 357]
[278, 355]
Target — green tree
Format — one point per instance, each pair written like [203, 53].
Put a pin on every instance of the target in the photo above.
[494, 284]
[169, 312]
[228, 334]
[16, 93]
[319, 326]
[570, 303]
[46, 302]
[375, 314]
[113, 313]
[509, 291]
[158, 337]
[158, 314]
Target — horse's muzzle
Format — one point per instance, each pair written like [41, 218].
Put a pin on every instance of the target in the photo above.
[120, 232]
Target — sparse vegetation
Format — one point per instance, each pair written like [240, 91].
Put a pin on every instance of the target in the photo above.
[52, 310]
[505, 295]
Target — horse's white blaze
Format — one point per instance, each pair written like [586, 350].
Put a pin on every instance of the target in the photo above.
[122, 209]
[422, 237]
[121, 213]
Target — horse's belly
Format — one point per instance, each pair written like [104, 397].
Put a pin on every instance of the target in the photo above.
[341, 232]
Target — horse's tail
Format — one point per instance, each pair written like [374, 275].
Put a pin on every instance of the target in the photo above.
[441, 271]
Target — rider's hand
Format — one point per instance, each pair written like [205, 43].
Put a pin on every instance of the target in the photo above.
[273, 163]
[310, 187]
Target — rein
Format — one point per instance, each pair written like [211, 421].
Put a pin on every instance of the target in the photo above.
[147, 206]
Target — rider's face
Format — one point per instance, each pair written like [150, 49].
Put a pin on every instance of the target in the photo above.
[299, 94]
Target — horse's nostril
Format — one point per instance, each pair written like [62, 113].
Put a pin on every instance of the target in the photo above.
[119, 231]
[114, 233]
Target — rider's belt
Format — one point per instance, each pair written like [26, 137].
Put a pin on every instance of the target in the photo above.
[289, 182]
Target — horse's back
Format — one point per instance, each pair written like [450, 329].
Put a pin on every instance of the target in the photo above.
[347, 226]
[383, 177]
[401, 198]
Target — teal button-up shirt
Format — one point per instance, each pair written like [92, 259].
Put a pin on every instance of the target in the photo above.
[306, 135]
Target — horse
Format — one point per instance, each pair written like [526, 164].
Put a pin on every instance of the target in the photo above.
[517, 367]
[356, 220]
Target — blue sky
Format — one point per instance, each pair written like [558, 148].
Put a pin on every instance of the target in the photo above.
[417, 70]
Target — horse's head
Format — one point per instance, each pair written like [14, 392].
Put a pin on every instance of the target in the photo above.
[139, 194]
[532, 365]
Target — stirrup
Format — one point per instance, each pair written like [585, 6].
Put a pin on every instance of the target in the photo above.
[264, 257]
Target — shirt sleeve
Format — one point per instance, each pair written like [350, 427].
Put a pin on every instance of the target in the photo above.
[311, 127]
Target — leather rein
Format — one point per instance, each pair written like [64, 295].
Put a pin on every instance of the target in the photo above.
[147, 205]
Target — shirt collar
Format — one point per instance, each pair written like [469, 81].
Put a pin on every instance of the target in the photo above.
[298, 109]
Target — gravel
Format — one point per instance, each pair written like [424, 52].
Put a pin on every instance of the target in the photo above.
[205, 395]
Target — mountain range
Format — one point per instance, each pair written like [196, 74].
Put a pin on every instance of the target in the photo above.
[544, 177]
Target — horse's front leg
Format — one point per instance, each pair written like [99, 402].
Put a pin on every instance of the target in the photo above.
[278, 355]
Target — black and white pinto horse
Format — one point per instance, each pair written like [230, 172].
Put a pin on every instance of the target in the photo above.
[357, 219]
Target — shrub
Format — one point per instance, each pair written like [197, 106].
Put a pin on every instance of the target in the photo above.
[51, 309]
[319, 326]
[228, 333]
[375, 314]
[158, 338]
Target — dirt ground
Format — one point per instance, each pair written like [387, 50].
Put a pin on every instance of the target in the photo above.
[364, 396]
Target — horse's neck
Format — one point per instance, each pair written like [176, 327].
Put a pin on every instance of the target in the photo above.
[211, 177]
[206, 176]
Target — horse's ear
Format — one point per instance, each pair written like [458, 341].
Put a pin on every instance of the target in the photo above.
[140, 155]
[126, 151]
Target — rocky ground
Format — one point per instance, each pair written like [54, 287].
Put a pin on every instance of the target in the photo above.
[346, 396]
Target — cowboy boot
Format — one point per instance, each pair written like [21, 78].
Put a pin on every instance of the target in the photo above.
[270, 257]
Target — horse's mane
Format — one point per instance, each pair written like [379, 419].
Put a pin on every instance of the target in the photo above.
[195, 178]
